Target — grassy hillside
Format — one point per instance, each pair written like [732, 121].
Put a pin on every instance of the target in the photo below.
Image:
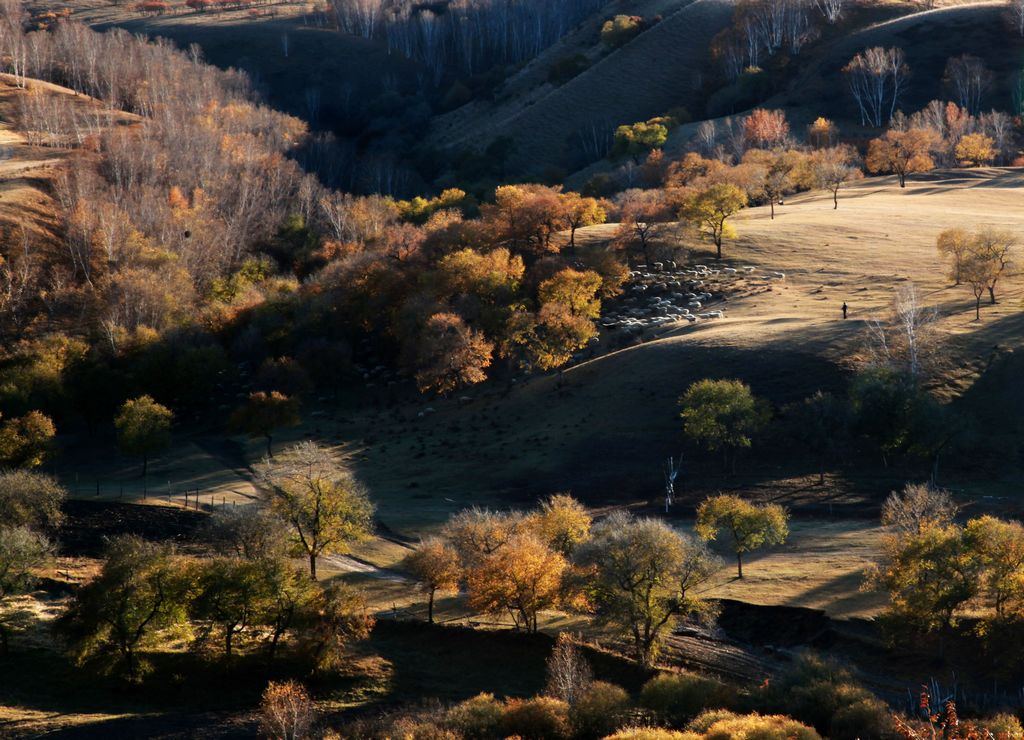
[652, 73]
[928, 39]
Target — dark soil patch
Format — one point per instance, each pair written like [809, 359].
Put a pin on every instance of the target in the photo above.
[88, 524]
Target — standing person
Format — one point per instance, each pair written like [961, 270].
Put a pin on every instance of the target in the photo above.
[845, 309]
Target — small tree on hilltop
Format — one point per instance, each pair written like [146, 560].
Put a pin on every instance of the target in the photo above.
[263, 413]
[722, 415]
[320, 499]
[750, 526]
[143, 427]
[436, 567]
[708, 210]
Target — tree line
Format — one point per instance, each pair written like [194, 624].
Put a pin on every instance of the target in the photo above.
[245, 597]
[638, 575]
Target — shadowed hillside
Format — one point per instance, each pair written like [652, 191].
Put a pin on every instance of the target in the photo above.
[654, 72]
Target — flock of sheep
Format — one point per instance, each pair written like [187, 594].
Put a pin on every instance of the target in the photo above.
[666, 294]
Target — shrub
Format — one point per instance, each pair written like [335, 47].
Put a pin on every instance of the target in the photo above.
[706, 719]
[816, 690]
[599, 710]
[641, 137]
[652, 733]
[866, 717]
[539, 718]
[409, 728]
[286, 711]
[566, 68]
[477, 718]
[1005, 726]
[758, 727]
[679, 697]
[621, 29]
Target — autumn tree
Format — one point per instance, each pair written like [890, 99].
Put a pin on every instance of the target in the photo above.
[777, 173]
[581, 211]
[999, 545]
[708, 210]
[549, 338]
[31, 499]
[524, 218]
[26, 441]
[575, 290]
[338, 616]
[141, 589]
[451, 354]
[749, 526]
[520, 578]
[143, 427]
[643, 577]
[476, 533]
[954, 245]
[975, 150]
[833, 167]
[640, 138]
[822, 133]
[435, 565]
[902, 153]
[644, 216]
[562, 523]
[263, 413]
[766, 129]
[931, 577]
[230, 599]
[248, 532]
[326, 507]
[918, 507]
[722, 416]
[616, 31]
[286, 711]
[988, 256]
[480, 286]
[23, 552]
